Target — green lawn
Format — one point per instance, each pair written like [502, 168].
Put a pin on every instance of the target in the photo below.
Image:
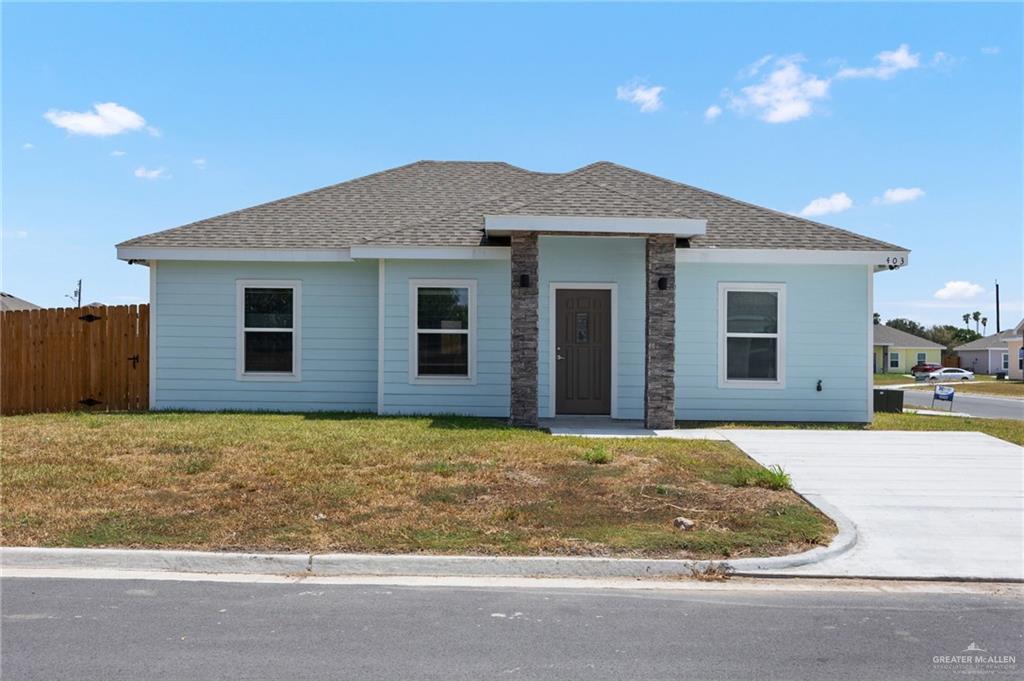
[343, 482]
[1006, 429]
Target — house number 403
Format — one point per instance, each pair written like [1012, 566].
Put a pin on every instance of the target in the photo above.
[897, 260]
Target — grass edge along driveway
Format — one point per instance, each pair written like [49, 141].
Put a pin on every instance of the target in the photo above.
[347, 482]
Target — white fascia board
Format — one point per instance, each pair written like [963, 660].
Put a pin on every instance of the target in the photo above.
[235, 254]
[880, 259]
[502, 225]
[432, 252]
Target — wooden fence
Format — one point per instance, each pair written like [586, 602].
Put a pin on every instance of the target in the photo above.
[61, 359]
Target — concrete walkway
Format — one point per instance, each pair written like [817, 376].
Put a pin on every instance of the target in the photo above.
[928, 505]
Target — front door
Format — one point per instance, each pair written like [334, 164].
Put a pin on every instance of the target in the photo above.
[583, 351]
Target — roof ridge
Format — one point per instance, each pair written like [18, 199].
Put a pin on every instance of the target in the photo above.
[747, 203]
[458, 209]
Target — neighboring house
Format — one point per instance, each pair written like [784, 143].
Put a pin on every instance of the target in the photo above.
[898, 351]
[490, 290]
[1015, 352]
[988, 355]
[11, 303]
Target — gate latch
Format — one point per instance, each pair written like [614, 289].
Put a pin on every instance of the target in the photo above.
[134, 359]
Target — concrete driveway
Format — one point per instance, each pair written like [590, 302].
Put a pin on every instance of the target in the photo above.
[924, 504]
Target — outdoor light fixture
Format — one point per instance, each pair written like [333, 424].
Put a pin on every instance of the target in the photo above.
[524, 281]
[819, 386]
[663, 283]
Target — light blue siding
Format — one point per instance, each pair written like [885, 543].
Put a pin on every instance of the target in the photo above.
[598, 260]
[196, 337]
[826, 338]
[489, 394]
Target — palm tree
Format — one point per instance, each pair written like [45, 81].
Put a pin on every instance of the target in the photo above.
[967, 320]
[976, 316]
[984, 325]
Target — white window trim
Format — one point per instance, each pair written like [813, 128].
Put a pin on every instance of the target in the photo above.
[896, 354]
[922, 357]
[780, 347]
[553, 288]
[1006, 361]
[414, 377]
[240, 373]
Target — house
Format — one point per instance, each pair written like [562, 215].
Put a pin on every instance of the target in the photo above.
[988, 355]
[486, 289]
[1015, 353]
[9, 303]
[897, 351]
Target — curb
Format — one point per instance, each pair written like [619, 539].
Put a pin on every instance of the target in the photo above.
[351, 564]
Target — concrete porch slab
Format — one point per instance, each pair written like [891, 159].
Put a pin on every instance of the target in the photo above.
[602, 426]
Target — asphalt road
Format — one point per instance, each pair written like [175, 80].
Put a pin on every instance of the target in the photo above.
[112, 629]
[982, 407]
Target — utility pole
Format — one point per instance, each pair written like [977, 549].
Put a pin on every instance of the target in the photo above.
[998, 328]
[76, 295]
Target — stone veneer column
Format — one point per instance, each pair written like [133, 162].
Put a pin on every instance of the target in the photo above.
[660, 359]
[524, 330]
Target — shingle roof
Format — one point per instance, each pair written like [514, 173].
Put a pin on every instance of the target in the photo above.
[886, 335]
[9, 303]
[993, 342]
[443, 203]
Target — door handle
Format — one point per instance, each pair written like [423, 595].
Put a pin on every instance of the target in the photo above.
[559, 357]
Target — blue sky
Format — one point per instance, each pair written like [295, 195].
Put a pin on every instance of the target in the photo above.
[815, 108]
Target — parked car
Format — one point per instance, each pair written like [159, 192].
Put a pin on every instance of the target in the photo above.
[949, 374]
[925, 368]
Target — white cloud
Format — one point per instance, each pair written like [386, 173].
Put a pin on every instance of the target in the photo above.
[899, 195]
[15, 234]
[959, 290]
[785, 94]
[990, 50]
[648, 98]
[712, 112]
[836, 203]
[752, 70]
[28, 146]
[107, 119]
[118, 152]
[199, 163]
[889, 64]
[150, 174]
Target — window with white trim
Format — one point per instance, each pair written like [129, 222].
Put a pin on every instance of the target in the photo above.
[922, 357]
[443, 325]
[268, 330]
[752, 335]
[1006, 361]
[894, 360]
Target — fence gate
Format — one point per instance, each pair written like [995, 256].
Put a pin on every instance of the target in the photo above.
[60, 359]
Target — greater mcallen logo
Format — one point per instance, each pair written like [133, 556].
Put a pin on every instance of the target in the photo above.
[974, 660]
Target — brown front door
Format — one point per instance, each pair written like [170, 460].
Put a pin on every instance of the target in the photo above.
[583, 351]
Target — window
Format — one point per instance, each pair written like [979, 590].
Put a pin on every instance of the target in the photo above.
[751, 340]
[268, 330]
[1006, 361]
[922, 357]
[442, 322]
[894, 360]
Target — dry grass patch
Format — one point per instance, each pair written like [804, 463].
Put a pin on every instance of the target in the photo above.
[341, 482]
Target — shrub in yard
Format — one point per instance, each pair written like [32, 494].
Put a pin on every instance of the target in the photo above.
[772, 477]
[597, 455]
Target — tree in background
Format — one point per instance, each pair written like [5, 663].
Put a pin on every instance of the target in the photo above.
[908, 325]
[976, 316]
[967, 320]
[878, 318]
[984, 326]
